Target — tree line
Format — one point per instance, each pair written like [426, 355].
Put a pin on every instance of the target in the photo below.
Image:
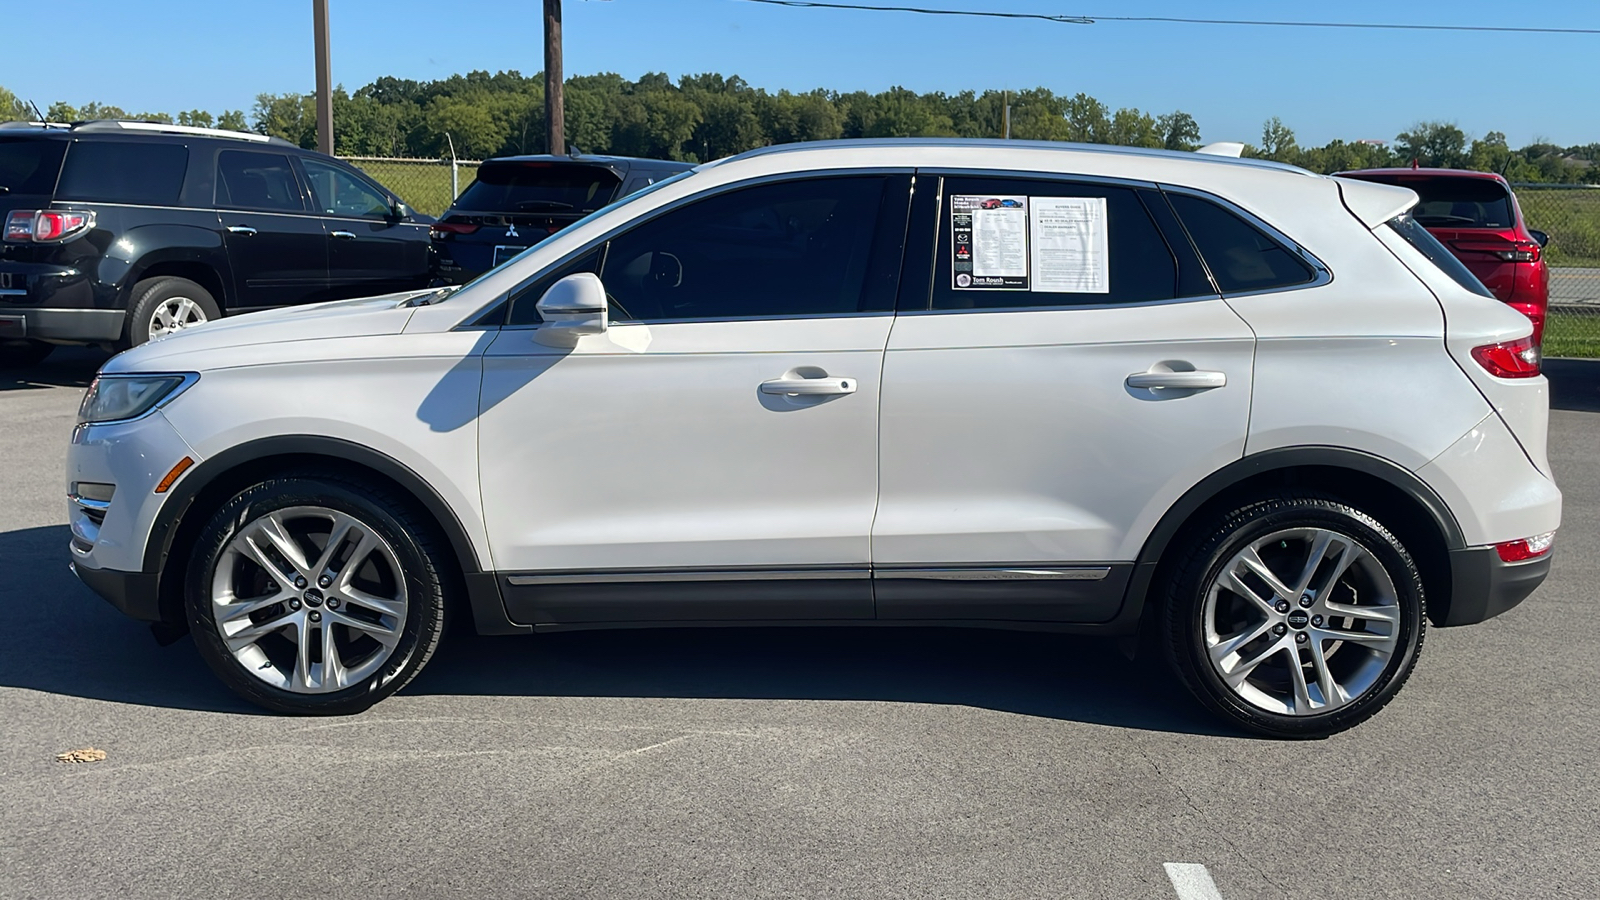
[709, 116]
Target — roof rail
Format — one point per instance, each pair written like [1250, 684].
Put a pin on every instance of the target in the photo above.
[34, 125]
[99, 125]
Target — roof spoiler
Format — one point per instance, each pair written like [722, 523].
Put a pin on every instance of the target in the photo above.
[1374, 203]
[1223, 148]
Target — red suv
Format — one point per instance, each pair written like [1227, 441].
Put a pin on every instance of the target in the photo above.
[1477, 217]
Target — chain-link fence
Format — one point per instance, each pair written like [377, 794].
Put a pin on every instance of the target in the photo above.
[426, 185]
[1570, 214]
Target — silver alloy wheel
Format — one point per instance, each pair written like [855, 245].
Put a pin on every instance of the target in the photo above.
[174, 314]
[309, 599]
[1301, 621]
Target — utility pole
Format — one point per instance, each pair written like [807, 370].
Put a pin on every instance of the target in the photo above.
[555, 117]
[1005, 100]
[319, 29]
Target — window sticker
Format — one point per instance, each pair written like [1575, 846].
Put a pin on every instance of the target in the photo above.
[1068, 236]
[989, 242]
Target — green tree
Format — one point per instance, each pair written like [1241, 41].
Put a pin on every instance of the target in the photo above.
[1440, 144]
[1277, 141]
[1179, 131]
[13, 109]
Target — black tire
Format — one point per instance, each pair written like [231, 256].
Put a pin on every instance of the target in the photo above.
[417, 548]
[149, 296]
[1285, 529]
[23, 354]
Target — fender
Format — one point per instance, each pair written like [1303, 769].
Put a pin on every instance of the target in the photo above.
[483, 592]
[1234, 473]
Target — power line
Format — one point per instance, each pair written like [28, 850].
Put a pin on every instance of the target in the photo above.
[1172, 20]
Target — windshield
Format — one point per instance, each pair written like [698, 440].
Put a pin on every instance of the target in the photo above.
[620, 201]
[1429, 246]
[538, 187]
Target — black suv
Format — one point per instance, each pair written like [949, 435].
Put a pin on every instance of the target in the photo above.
[118, 232]
[518, 201]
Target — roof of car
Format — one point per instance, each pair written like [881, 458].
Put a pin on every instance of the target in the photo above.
[1003, 144]
[127, 127]
[1408, 172]
[593, 160]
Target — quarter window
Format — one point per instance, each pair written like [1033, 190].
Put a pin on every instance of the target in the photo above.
[124, 172]
[249, 180]
[1241, 257]
[338, 193]
[792, 248]
[1014, 243]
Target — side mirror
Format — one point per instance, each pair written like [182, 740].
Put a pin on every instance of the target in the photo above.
[1541, 237]
[571, 308]
[399, 210]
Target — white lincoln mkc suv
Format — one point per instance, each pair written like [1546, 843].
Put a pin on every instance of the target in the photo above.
[1255, 418]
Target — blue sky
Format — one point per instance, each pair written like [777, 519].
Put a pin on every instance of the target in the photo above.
[1324, 83]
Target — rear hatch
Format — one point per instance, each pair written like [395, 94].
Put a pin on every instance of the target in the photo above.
[515, 204]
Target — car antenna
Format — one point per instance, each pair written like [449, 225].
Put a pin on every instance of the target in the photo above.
[37, 112]
[573, 151]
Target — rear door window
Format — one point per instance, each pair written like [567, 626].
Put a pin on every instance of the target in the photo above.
[138, 172]
[538, 187]
[1429, 246]
[1009, 243]
[250, 180]
[29, 166]
[1242, 257]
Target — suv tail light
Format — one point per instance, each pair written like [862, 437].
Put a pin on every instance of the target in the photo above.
[1510, 251]
[440, 229]
[1526, 548]
[42, 226]
[1509, 359]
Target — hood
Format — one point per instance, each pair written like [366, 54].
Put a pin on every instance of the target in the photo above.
[364, 317]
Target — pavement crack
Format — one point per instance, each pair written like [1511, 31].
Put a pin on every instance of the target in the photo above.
[1200, 811]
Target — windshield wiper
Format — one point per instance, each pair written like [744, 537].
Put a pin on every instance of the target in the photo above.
[543, 204]
[434, 296]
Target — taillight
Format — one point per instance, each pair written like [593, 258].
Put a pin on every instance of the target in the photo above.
[1526, 548]
[1509, 359]
[440, 229]
[1510, 251]
[46, 225]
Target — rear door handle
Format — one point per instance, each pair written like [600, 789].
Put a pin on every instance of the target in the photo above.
[809, 387]
[1194, 381]
[343, 235]
[241, 229]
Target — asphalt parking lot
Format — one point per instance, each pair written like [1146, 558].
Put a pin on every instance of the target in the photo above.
[785, 763]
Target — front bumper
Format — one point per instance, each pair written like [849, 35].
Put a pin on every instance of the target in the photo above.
[133, 593]
[67, 325]
[1482, 586]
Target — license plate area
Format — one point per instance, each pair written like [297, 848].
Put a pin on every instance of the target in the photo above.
[503, 252]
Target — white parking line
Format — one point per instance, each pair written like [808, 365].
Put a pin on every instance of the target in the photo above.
[1192, 881]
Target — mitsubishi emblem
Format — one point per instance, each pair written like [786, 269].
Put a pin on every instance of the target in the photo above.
[511, 230]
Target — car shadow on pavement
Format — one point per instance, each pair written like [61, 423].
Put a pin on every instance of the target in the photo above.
[62, 639]
[66, 367]
[1574, 384]
[1045, 675]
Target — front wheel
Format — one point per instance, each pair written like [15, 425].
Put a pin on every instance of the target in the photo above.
[310, 593]
[1295, 617]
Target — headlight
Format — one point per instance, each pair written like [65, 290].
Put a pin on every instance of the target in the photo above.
[112, 398]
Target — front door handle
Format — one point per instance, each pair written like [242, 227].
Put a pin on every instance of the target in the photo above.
[809, 387]
[343, 235]
[241, 229]
[1194, 381]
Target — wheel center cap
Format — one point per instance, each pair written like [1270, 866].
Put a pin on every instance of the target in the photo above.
[1297, 619]
[313, 598]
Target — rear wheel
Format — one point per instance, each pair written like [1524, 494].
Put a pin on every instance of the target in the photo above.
[1295, 617]
[309, 593]
[166, 305]
[23, 354]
